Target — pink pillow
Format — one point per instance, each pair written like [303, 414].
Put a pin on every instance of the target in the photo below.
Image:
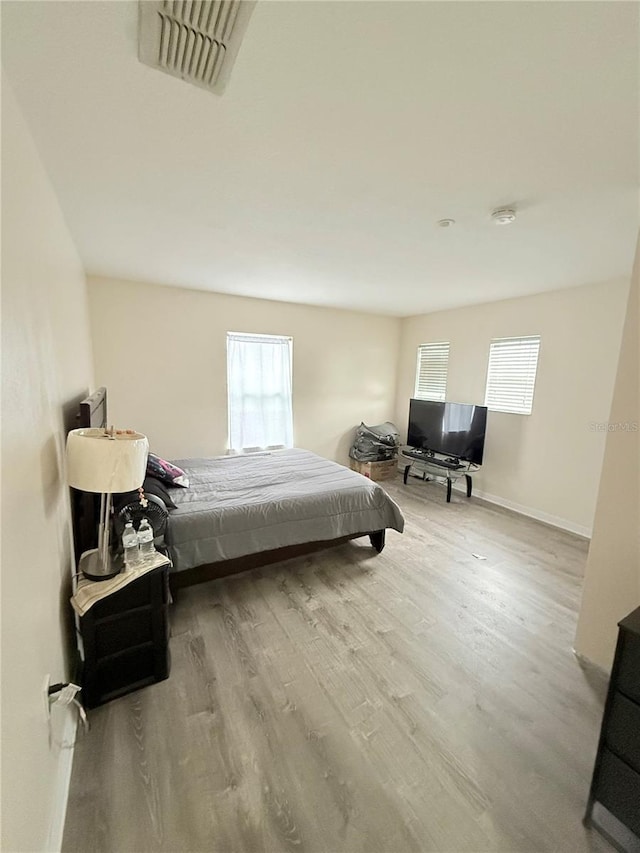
[165, 471]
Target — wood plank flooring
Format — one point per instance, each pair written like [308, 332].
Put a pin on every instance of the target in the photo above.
[419, 700]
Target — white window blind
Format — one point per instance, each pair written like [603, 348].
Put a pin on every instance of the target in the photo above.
[511, 377]
[431, 371]
[259, 391]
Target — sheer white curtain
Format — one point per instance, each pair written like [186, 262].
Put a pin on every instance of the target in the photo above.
[259, 391]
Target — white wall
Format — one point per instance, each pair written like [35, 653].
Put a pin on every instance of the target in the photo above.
[46, 368]
[548, 463]
[161, 352]
[612, 577]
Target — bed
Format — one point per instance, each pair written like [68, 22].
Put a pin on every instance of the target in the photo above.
[241, 505]
[244, 511]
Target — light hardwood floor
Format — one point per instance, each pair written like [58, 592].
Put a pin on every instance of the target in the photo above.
[419, 700]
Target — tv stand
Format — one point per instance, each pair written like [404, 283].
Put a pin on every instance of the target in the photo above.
[434, 467]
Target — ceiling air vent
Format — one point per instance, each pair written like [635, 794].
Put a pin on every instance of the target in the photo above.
[196, 40]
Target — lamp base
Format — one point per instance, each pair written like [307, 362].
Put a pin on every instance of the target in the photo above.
[94, 569]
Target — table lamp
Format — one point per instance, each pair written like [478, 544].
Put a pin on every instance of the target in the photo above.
[105, 463]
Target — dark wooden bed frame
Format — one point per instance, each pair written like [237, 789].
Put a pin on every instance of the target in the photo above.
[224, 568]
[93, 413]
[85, 506]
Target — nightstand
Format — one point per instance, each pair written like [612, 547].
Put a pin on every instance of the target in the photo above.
[125, 637]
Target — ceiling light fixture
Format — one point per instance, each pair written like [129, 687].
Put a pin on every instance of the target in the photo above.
[446, 223]
[503, 215]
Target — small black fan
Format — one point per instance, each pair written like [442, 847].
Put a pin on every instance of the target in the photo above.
[132, 510]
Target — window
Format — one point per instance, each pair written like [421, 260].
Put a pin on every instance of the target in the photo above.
[511, 377]
[431, 372]
[259, 391]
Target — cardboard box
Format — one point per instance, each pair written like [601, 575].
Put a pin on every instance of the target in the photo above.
[375, 470]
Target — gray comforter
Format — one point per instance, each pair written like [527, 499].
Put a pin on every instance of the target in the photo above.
[238, 505]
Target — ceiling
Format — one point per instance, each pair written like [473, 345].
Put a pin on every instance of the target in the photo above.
[346, 131]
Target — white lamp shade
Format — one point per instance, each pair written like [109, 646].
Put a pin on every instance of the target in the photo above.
[98, 462]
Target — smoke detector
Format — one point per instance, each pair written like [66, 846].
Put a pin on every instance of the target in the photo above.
[446, 223]
[503, 215]
[195, 40]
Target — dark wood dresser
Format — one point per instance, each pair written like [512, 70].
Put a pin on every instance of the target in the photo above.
[616, 776]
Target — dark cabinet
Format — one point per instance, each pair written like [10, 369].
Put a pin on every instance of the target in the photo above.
[616, 776]
[125, 638]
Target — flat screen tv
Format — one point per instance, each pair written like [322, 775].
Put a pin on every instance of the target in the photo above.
[453, 429]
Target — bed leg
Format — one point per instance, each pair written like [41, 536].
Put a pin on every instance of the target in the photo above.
[377, 539]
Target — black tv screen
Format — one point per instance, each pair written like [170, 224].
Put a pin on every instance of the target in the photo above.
[453, 429]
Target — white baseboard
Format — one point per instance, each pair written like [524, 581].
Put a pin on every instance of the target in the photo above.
[62, 782]
[547, 518]
[589, 664]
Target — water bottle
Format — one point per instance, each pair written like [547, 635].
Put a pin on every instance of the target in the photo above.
[130, 546]
[145, 539]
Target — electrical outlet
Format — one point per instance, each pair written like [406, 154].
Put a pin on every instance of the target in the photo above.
[45, 696]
